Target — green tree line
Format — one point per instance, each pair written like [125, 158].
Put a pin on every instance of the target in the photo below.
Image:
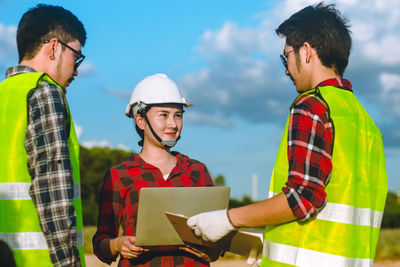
[94, 162]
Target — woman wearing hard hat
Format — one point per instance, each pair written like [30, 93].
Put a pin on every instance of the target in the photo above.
[156, 105]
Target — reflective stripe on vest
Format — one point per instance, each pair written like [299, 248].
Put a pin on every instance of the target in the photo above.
[310, 258]
[19, 220]
[20, 191]
[32, 240]
[342, 213]
[346, 230]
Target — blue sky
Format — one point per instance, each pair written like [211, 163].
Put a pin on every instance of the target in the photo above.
[224, 56]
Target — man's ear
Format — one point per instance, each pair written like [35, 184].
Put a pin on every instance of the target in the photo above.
[309, 52]
[51, 48]
[140, 121]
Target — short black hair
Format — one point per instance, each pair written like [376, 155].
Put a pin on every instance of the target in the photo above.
[44, 22]
[325, 29]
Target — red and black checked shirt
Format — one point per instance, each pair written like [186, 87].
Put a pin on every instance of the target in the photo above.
[310, 143]
[118, 205]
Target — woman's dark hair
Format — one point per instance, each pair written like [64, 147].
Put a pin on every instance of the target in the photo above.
[140, 133]
[325, 29]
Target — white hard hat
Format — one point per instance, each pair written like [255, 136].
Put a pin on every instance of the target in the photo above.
[154, 89]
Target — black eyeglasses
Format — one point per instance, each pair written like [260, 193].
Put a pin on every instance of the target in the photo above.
[284, 58]
[80, 59]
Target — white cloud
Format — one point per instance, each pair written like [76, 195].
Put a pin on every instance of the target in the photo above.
[191, 83]
[350, 3]
[390, 81]
[96, 143]
[292, 6]
[86, 68]
[363, 31]
[123, 147]
[104, 143]
[384, 50]
[388, 9]
[124, 94]
[78, 130]
[232, 40]
[229, 39]
[195, 117]
[8, 47]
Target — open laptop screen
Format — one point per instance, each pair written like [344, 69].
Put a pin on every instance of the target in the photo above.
[153, 227]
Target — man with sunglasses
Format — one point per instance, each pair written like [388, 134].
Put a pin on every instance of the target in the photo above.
[329, 183]
[40, 207]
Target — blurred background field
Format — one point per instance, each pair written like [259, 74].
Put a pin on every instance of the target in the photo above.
[388, 245]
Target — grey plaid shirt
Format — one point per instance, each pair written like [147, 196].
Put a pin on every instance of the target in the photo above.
[52, 189]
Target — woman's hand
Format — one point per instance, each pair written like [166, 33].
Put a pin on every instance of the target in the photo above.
[203, 253]
[125, 245]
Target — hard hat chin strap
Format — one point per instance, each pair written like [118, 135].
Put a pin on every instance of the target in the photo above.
[165, 143]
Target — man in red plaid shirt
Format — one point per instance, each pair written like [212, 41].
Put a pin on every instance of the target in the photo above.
[157, 108]
[326, 203]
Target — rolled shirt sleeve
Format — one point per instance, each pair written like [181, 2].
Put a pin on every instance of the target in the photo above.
[310, 144]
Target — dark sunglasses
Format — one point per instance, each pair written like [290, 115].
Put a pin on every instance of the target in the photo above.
[80, 59]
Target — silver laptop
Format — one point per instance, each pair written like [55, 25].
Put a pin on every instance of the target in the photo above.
[153, 227]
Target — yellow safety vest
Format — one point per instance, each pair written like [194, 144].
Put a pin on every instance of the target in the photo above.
[345, 232]
[19, 222]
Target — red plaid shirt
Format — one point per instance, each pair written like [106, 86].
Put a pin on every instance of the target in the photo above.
[310, 143]
[119, 199]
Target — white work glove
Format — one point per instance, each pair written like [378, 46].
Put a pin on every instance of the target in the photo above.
[212, 225]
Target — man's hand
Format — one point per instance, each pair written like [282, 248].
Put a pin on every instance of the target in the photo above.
[125, 246]
[212, 225]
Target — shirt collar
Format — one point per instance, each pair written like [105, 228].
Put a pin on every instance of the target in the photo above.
[18, 69]
[337, 82]
[134, 160]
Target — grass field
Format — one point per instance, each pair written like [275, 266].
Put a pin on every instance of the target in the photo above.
[88, 233]
[388, 245]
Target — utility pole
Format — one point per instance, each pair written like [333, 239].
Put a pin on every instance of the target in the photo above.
[398, 197]
[254, 179]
